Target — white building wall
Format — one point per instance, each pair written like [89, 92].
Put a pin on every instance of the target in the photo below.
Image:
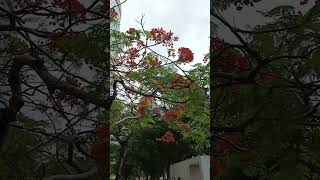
[183, 171]
[205, 167]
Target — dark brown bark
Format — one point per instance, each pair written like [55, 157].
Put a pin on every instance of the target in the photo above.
[121, 160]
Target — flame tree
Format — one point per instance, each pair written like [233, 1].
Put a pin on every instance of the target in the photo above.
[264, 103]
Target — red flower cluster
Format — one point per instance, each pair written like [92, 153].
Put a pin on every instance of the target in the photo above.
[227, 59]
[223, 143]
[113, 13]
[151, 63]
[159, 35]
[184, 126]
[144, 104]
[242, 62]
[220, 147]
[180, 81]
[170, 115]
[134, 53]
[185, 54]
[168, 137]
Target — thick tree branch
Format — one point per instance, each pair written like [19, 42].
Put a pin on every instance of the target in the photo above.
[254, 54]
[146, 94]
[82, 176]
[267, 31]
[126, 118]
[54, 83]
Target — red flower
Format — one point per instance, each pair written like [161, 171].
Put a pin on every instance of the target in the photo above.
[159, 35]
[144, 104]
[185, 54]
[170, 115]
[113, 13]
[180, 81]
[242, 62]
[184, 126]
[168, 137]
[133, 53]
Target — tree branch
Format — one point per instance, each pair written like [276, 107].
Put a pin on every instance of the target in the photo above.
[81, 176]
[52, 82]
[126, 118]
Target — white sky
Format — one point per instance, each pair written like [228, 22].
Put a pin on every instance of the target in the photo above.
[187, 19]
[248, 16]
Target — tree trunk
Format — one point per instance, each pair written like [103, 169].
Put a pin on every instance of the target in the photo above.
[121, 161]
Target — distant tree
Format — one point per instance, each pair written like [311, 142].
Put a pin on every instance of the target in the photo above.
[154, 157]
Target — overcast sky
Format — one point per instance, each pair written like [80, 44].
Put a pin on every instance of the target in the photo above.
[248, 17]
[187, 19]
